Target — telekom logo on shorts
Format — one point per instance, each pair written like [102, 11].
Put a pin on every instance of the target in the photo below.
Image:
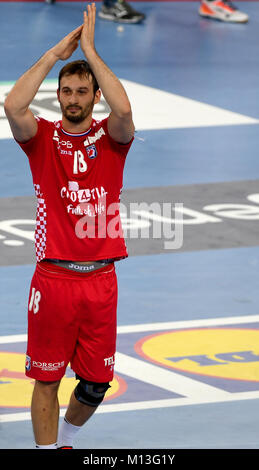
[109, 361]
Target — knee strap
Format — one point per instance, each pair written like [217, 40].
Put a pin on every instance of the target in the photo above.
[90, 393]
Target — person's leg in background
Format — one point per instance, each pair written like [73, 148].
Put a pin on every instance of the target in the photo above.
[222, 10]
[120, 11]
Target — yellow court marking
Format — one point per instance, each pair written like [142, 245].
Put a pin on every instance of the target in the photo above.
[229, 353]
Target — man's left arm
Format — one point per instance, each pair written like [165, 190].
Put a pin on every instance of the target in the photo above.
[120, 124]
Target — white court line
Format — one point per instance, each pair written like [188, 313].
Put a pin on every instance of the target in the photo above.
[174, 325]
[165, 379]
[178, 325]
[144, 405]
[13, 339]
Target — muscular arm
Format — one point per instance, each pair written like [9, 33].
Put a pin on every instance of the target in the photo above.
[21, 119]
[120, 124]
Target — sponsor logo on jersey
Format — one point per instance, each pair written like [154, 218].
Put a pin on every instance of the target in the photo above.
[92, 139]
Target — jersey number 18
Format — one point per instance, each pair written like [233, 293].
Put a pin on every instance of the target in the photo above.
[80, 164]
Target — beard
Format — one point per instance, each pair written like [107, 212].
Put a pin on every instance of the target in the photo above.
[79, 115]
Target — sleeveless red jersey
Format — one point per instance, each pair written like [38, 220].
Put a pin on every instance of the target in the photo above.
[78, 179]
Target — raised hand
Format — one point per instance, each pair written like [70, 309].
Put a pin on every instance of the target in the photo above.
[65, 48]
[88, 30]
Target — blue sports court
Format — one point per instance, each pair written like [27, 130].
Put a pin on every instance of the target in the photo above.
[187, 364]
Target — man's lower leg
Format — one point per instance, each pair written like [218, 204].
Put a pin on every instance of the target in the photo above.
[45, 412]
[76, 416]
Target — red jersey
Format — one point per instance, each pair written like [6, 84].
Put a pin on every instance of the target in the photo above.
[78, 179]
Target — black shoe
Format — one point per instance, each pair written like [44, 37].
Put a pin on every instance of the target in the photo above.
[49, 1]
[120, 12]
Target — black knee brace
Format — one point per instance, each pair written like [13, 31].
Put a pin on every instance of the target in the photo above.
[90, 393]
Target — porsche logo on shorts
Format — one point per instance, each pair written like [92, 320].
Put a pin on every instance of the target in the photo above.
[16, 388]
[48, 366]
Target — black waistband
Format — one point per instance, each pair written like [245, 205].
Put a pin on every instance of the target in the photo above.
[80, 268]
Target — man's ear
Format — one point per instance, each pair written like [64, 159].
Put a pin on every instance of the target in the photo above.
[98, 96]
[58, 95]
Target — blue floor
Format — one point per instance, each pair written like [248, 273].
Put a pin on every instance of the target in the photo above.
[209, 284]
[177, 52]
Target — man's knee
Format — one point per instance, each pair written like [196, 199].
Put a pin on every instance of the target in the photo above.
[90, 393]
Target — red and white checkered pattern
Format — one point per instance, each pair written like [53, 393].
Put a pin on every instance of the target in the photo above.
[41, 225]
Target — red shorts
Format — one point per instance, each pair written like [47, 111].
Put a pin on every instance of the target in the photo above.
[72, 318]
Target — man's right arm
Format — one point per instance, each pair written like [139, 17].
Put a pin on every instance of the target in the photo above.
[22, 121]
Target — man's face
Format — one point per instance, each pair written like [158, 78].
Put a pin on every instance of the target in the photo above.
[76, 97]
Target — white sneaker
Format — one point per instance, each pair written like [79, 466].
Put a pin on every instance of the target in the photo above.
[222, 10]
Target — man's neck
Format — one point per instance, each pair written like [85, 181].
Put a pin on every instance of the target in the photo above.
[76, 127]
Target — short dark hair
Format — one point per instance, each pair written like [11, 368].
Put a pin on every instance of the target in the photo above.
[81, 68]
